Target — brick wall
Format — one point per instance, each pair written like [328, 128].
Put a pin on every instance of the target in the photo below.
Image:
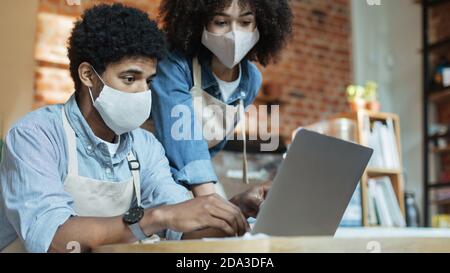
[316, 67]
[62, 6]
[312, 73]
[439, 22]
[53, 83]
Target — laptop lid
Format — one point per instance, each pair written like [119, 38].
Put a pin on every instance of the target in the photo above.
[313, 186]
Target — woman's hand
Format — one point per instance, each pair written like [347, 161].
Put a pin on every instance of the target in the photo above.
[250, 200]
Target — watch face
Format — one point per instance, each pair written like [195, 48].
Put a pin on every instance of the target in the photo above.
[133, 216]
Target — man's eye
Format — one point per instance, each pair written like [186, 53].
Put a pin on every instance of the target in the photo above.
[246, 23]
[129, 79]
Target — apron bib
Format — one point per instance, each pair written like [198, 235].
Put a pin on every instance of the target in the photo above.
[217, 117]
[93, 198]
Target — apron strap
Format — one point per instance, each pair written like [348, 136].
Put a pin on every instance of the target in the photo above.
[244, 141]
[135, 168]
[197, 73]
[73, 158]
[71, 145]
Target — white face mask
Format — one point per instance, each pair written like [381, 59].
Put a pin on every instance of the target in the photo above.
[231, 47]
[123, 112]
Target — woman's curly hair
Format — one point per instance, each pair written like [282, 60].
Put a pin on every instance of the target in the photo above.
[184, 21]
[108, 33]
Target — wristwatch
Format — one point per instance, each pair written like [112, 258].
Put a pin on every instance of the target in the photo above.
[132, 218]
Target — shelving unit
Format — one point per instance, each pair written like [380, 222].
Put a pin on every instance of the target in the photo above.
[431, 98]
[356, 126]
[396, 175]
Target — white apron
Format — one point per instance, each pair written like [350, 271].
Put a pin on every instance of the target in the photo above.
[93, 198]
[222, 120]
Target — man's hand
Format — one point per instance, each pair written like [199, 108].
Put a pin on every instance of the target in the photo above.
[203, 189]
[205, 212]
[250, 200]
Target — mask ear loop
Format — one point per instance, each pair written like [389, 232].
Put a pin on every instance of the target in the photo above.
[90, 94]
[95, 71]
[90, 90]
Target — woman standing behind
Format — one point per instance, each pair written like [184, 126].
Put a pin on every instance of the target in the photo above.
[213, 44]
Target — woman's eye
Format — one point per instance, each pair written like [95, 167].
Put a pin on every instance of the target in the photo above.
[247, 23]
[220, 23]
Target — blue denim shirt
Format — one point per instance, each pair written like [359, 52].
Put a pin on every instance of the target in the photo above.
[190, 160]
[33, 203]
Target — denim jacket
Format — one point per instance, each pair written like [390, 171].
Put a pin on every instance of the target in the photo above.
[190, 160]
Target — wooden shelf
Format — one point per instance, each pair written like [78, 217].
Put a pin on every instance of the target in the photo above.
[445, 202]
[382, 172]
[372, 115]
[439, 44]
[438, 136]
[441, 150]
[440, 96]
[434, 3]
[439, 185]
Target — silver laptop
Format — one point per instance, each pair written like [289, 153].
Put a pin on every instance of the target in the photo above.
[313, 186]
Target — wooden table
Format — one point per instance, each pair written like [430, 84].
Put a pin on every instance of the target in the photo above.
[289, 245]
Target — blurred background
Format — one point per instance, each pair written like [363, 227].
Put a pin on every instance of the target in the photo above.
[368, 71]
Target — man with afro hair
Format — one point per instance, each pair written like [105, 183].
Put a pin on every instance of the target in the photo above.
[83, 174]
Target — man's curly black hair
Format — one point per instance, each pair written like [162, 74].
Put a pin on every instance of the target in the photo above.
[109, 33]
[184, 21]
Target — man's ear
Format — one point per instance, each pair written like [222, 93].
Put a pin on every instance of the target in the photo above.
[86, 74]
